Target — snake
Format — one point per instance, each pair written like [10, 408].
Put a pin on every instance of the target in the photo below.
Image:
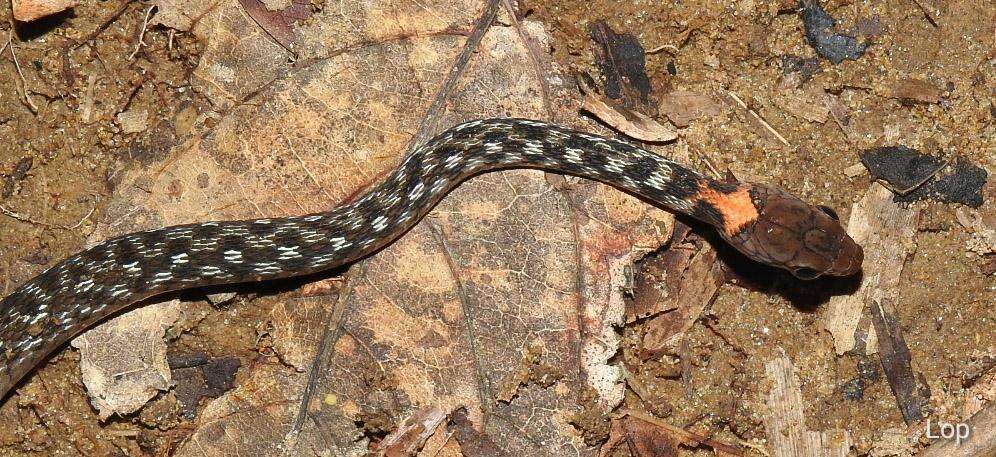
[764, 223]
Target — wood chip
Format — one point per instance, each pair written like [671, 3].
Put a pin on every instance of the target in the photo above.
[917, 90]
[133, 121]
[854, 170]
[411, 435]
[29, 10]
[786, 423]
[682, 107]
[811, 106]
[885, 230]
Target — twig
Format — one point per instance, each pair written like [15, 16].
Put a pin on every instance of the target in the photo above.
[17, 65]
[103, 25]
[758, 118]
[428, 125]
[141, 34]
[926, 13]
[333, 329]
[672, 49]
[17, 216]
[533, 55]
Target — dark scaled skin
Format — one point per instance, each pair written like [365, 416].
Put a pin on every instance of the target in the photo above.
[764, 223]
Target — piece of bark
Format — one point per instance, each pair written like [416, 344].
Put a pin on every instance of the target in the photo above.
[885, 230]
[683, 107]
[917, 90]
[894, 354]
[785, 421]
[30, 10]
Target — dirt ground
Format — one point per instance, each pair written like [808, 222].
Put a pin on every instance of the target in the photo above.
[65, 145]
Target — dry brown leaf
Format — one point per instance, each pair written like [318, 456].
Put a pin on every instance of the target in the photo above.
[441, 317]
[278, 23]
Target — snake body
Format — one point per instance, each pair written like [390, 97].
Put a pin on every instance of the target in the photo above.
[766, 224]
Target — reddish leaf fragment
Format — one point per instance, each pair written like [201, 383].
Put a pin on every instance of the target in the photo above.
[279, 24]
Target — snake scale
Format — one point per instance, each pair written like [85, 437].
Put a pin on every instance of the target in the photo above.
[764, 223]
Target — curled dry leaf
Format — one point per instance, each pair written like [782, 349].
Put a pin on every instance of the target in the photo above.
[120, 382]
[627, 121]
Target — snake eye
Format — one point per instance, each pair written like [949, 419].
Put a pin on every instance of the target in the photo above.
[829, 212]
[806, 273]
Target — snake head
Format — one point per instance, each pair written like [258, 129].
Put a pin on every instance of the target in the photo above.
[789, 233]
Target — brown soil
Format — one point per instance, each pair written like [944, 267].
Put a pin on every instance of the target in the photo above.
[64, 124]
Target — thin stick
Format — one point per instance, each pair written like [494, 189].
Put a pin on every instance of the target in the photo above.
[18, 216]
[428, 125]
[17, 65]
[533, 55]
[103, 25]
[758, 118]
[141, 34]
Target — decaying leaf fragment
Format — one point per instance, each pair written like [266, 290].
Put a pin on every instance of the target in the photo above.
[278, 23]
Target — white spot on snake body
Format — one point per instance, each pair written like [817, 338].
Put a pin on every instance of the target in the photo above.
[380, 223]
[288, 252]
[82, 287]
[572, 155]
[180, 258]
[38, 317]
[416, 191]
[339, 243]
[614, 165]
